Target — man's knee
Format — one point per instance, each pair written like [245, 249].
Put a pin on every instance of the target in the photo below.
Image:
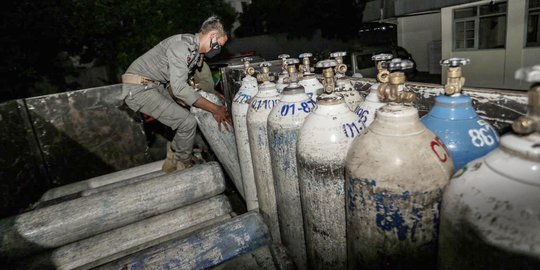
[188, 123]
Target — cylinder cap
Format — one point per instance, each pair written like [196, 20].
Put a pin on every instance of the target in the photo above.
[397, 120]
[454, 108]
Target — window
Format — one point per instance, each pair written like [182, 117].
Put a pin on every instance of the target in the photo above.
[533, 24]
[480, 27]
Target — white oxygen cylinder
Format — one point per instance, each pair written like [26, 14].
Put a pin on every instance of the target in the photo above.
[257, 116]
[322, 146]
[395, 176]
[284, 123]
[240, 106]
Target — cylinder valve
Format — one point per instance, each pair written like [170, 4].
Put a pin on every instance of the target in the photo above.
[529, 123]
[382, 74]
[248, 69]
[291, 69]
[265, 76]
[328, 74]
[283, 58]
[393, 92]
[306, 64]
[455, 79]
[340, 68]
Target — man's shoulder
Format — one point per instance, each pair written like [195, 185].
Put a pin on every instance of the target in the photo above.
[187, 40]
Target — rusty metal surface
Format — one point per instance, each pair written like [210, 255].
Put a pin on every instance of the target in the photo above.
[84, 134]
[22, 178]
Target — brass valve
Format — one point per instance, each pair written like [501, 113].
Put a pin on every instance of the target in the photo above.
[283, 58]
[248, 69]
[340, 68]
[291, 69]
[328, 74]
[393, 90]
[264, 75]
[305, 67]
[529, 123]
[455, 80]
[382, 74]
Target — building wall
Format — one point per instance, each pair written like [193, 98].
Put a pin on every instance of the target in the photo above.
[415, 33]
[494, 67]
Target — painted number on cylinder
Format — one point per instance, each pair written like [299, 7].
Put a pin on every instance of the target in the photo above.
[292, 108]
[362, 113]
[242, 98]
[266, 104]
[439, 149]
[483, 136]
[352, 130]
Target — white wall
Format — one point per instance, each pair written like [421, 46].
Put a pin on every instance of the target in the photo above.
[415, 34]
[494, 68]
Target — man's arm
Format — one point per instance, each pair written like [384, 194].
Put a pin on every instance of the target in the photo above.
[203, 76]
[179, 71]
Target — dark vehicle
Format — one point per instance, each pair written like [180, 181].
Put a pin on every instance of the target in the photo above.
[360, 61]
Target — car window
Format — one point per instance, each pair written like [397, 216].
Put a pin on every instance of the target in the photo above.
[402, 53]
[364, 61]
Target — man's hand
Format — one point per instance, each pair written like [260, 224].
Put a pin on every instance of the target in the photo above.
[222, 116]
[220, 113]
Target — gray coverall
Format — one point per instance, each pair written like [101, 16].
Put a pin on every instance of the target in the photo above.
[171, 61]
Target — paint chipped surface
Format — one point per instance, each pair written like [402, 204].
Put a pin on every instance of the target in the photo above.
[490, 221]
[395, 227]
[262, 165]
[221, 140]
[203, 249]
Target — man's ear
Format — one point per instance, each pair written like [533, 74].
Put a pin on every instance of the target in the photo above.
[213, 34]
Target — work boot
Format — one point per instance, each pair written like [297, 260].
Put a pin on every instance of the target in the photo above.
[181, 165]
[170, 161]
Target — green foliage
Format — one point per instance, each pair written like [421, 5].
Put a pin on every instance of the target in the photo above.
[301, 18]
[111, 32]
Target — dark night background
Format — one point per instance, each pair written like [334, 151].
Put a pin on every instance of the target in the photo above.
[40, 37]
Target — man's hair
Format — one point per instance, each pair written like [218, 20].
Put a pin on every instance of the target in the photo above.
[213, 23]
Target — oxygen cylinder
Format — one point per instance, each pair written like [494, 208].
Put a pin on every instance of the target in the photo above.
[260, 107]
[344, 85]
[490, 211]
[284, 123]
[455, 121]
[240, 105]
[280, 84]
[322, 145]
[395, 175]
[310, 83]
[367, 108]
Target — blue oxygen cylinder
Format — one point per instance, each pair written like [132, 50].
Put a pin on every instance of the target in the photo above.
[455, 122]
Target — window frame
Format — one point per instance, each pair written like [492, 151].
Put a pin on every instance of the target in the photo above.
[476, 20]
[529, 11]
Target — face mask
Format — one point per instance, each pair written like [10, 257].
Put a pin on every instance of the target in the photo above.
[215, 49]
